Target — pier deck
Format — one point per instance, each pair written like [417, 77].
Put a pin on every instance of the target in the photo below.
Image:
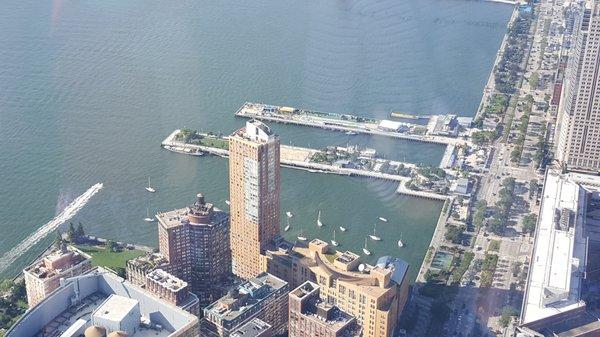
[290, 156]
[344, 123]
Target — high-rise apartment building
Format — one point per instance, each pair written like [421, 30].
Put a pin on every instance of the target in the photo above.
[578, 129]
[254, 181]
[195, 242]
[43, 276]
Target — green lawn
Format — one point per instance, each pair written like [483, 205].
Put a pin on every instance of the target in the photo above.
[113, 260]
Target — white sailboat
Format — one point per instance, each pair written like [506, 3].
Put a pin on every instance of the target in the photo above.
[301, 237]
[227, 202]
[400, 243]
[342, 228]
[365, 249]
[374, 236]
[333, 242]
[287, 228]
[319, 223]
[148, 218]
[383, 219]
[150, 188]
[289, 214]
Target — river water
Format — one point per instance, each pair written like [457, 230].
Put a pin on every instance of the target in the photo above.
[88, 89]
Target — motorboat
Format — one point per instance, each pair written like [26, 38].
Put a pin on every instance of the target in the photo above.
[342, 228]
[351, 133]
[289, 214]
[287, 228]
[319, 223]
[228, 202]
[301, 237]
[383, 219]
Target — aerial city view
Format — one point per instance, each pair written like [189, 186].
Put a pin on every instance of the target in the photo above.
[422, 168]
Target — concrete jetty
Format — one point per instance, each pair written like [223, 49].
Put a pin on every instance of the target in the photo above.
[291, 156]
[343, 122]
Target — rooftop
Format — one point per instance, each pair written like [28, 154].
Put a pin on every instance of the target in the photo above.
[559, 256]
[148, 261]
[167, 280]
[115, 308]
[57, 261]
[245, 296]
[314, 308]
[253, 328]
[255, 131]
[70, 307]
[200, 213]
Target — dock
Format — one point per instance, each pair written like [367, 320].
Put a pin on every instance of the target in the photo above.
[290, 156]
[349, 124]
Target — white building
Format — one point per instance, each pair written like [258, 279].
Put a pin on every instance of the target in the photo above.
[559, 257]
[118, 313]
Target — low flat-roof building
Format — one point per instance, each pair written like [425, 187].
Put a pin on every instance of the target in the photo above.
[137, 268]
[118, 313]
[102, 297]
[43, 276]
[173, 290]
[310, 316]
[559, 255]
[254, 328]
[263, 297]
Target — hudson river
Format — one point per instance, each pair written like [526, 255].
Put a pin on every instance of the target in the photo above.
[88, 89]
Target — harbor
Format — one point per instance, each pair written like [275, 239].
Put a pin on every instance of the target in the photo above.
[443, 129]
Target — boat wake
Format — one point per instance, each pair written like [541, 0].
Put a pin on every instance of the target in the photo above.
[68, 212]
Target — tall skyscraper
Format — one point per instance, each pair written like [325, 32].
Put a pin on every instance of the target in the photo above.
[578, 131]
[195, 242]
[254, 181]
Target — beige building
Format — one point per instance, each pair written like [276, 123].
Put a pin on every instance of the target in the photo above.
[374, 295]
[254, 183]
[578, 129]
[43, 276]
[311, 316]
[137, 268]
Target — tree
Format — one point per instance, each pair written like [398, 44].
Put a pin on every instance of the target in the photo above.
[533, 187]
[111, 246]
[507, 313]
[529, 222]
[454, 233]
[58, 241]
[80, 232]
[71, 236]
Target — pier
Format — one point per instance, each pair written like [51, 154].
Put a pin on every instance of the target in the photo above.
[349, 124]
[290, 156]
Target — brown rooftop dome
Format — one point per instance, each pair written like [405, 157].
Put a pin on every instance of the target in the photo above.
[95, 331]
[117, 334]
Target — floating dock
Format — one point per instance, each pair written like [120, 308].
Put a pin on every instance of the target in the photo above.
[349, 124]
